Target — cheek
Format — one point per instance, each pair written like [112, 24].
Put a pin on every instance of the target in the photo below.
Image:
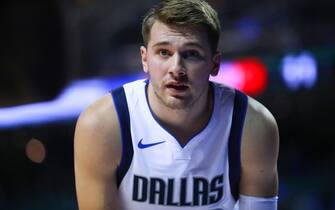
[199, 73]
[156, 69]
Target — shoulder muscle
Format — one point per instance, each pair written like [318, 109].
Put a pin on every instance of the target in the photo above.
[260, 145]
[97, 153]
[97, 131]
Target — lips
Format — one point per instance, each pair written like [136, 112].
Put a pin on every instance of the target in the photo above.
[177, 86]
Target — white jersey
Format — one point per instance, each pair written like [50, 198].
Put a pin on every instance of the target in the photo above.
[157, 173]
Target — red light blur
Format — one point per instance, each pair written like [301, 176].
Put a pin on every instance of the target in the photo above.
[248, 75]
[255, 75]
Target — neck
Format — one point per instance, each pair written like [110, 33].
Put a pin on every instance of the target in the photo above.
[186, 122]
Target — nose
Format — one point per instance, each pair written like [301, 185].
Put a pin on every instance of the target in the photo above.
[177, 68]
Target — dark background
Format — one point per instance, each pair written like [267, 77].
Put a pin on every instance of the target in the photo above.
[47, 44]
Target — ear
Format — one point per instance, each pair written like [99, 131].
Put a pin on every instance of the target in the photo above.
[143, 51]
[216, 63]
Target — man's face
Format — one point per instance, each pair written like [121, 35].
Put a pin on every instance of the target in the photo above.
[179, 62]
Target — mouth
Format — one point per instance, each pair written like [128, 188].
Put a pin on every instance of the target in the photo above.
[179, 87]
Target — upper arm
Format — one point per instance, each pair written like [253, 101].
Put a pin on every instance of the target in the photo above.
[259, 152]
[97, 154]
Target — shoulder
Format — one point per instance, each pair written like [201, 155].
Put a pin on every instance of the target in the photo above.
[97, 154]
[259, 151]
[260, 125]
[260, 133]
[100, 116]
[97, 131]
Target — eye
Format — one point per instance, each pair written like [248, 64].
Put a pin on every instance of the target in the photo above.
[191, 54]
[164, 53]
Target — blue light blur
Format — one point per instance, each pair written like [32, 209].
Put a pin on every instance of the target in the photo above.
[68, 105]
[299, 70]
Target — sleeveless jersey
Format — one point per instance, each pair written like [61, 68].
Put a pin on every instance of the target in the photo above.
[157, 173]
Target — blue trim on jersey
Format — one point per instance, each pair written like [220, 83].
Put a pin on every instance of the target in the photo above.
[121, 107]
[234, 145]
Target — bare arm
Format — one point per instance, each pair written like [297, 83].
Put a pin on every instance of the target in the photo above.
[97, 152]
[260, 146]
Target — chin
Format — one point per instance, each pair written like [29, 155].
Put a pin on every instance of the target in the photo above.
[176, 103]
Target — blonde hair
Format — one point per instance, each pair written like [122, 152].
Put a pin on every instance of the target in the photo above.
[184, 13]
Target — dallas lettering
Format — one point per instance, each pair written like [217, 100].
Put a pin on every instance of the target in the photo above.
[161, 192]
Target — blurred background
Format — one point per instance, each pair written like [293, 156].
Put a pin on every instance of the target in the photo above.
[57, 56]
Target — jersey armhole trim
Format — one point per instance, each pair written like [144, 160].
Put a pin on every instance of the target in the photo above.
[121, 106]
[234, 145]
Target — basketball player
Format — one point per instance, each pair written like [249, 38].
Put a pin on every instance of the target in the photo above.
[176, 140]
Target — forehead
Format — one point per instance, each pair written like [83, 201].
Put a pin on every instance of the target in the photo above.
[164, 33]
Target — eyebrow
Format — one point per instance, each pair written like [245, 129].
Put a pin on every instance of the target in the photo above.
[188, 44]
[161, 43]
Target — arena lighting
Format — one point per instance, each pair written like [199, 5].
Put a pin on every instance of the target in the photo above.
[248, 75]
[299, 70]
[35, 150]
[67, 105]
